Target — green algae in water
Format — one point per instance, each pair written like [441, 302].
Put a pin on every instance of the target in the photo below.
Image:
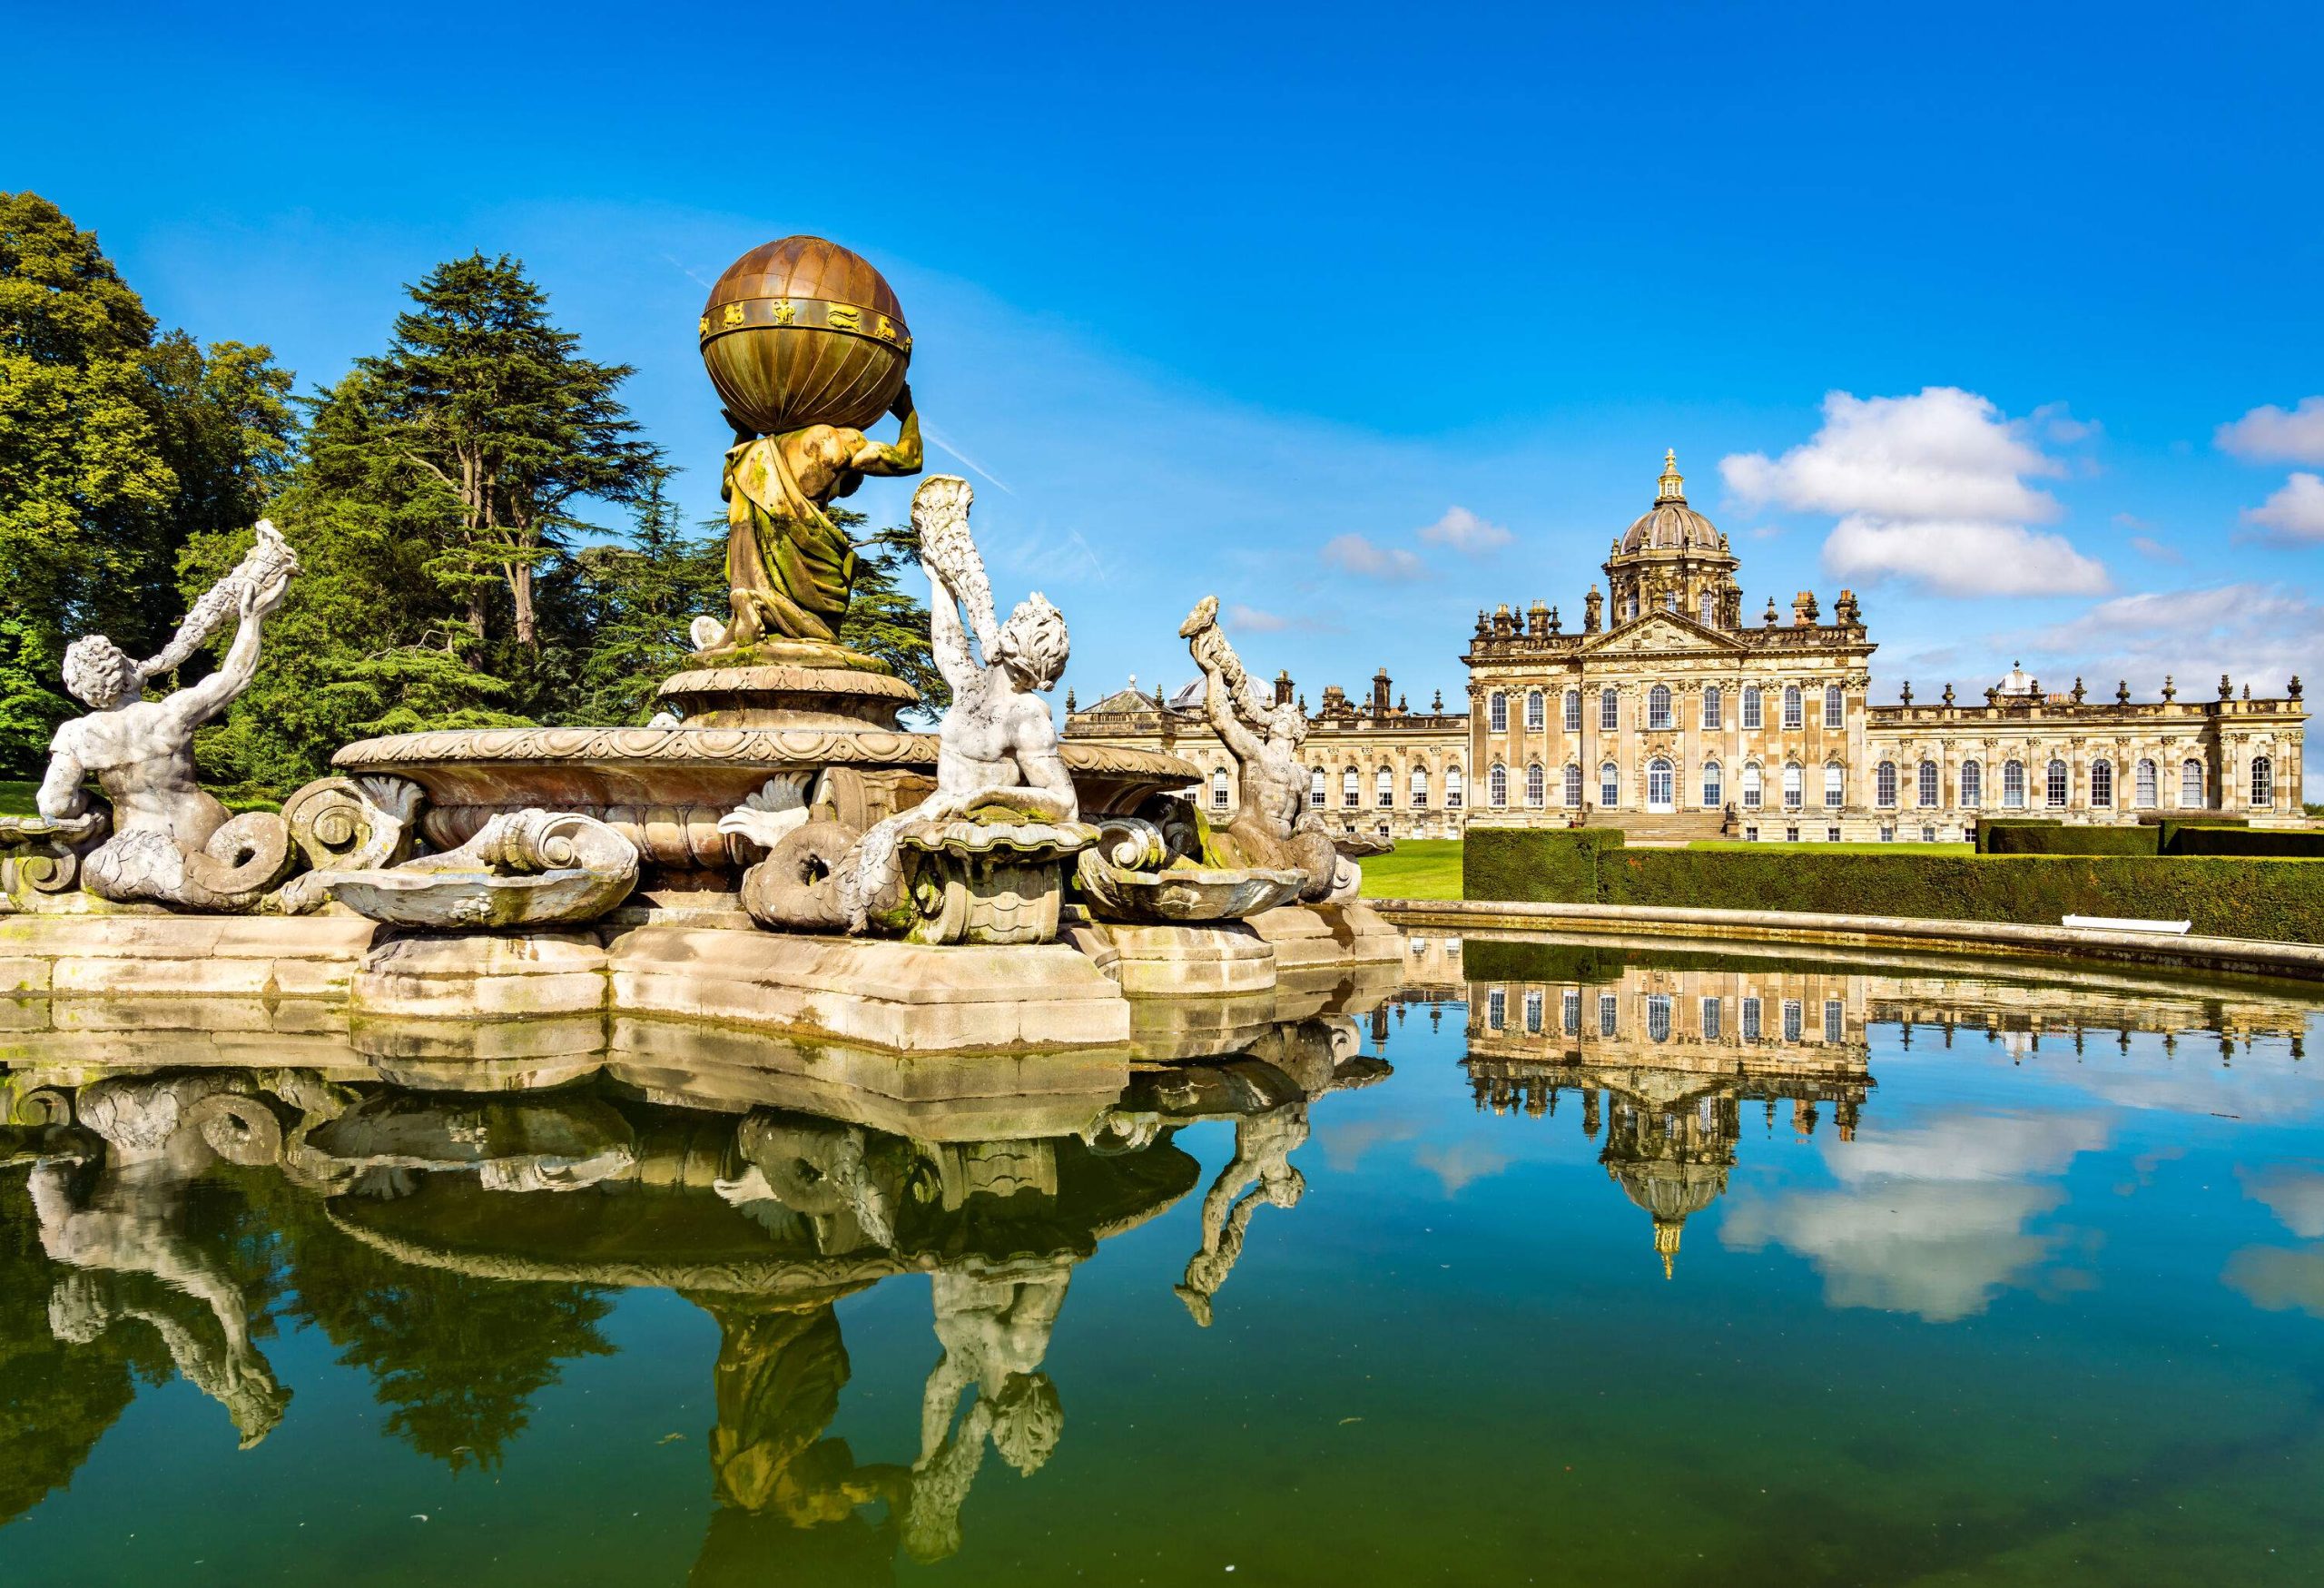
[1674, 1268]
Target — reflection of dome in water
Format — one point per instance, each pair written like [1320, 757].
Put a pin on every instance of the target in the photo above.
[1671, 525]
[1670, 1191]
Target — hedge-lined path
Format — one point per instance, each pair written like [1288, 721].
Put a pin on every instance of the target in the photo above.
[1985, 939]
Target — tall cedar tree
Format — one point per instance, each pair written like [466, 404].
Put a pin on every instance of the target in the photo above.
[114, 449]
[495, 413]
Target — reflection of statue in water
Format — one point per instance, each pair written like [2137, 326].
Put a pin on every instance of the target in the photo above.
[995, 1331]
[1274, 827]
[171, 842]
[1264, 1144]
[129, 1227]
[790, 569]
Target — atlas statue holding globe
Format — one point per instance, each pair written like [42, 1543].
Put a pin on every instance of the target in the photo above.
[807, 347]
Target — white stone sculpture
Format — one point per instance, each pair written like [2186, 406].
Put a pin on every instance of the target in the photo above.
[522, 868]
[172, 844]
[1275, 826]
[980, 860]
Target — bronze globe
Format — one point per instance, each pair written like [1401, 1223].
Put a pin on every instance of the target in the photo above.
[802, 332]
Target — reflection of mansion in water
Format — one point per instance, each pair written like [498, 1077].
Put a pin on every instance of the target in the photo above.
[1668, 710]
[1663, 1063]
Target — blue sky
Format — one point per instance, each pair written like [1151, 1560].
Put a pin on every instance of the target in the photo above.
[1360, 317]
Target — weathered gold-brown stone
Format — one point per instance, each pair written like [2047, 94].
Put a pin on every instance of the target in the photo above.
[786, 696]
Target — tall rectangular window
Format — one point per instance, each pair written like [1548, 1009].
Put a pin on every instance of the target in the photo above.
[1496, 1008]
[1835, 706]
[1793, 1021]
[1711, 1019]
[1751, 706]
[1793, 717]
[1832, 1019]
[1751, 1019]
[1570, 1008]
[1609, 711]
[1573, 711]
[1711, 724]
[1536, 717]
[1497, 711]
[1534, 1012]
[1607, 1009]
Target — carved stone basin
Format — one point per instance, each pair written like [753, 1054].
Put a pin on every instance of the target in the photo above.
[664, 789]
[1186, 893]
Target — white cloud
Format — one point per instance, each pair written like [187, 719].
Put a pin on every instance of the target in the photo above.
[2261, 631]
[1252, 620]
[2058, 423]
[2296, 511]
[1931, 489]
[2279, 1280]
[1464, 532]
[2269, 434]
[2148, 545]
[1352, 553]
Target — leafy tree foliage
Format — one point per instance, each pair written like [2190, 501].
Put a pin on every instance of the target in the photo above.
[115, 447]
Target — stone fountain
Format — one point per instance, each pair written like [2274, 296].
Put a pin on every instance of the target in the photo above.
[777, 851]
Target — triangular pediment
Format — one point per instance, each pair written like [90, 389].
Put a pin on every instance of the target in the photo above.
[1661, 631]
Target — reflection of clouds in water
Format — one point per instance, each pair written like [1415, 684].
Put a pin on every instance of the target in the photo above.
[1460, 1162]
[2258, 1086]
[2294, 1192]
[2278, 1279]
[1928, 1220]
[1346, 1142]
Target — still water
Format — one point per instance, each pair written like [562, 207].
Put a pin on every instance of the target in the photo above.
[1557, 1265]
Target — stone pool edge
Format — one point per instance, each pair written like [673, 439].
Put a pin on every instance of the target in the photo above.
[1988, 939]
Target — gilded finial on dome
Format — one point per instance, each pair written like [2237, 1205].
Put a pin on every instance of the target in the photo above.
[1674, 489]
[1665, 1243]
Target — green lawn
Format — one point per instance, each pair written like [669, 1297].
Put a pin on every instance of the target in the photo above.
[1418, 868]
[16, 797]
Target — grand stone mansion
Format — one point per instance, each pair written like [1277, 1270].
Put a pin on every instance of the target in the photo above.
[1671, 714]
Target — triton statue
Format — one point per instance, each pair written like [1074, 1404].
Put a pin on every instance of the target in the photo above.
[172, 843]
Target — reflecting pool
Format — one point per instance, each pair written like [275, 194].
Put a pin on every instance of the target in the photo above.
[1556, 1262]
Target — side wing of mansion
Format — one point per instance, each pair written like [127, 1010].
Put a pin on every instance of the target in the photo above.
[1667, 714]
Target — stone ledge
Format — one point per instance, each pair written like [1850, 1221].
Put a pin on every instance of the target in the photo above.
[1310, 935]
[1984, 939]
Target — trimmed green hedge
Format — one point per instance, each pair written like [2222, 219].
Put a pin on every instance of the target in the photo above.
[2188, 838]
[2279, 900]
[2038, 837]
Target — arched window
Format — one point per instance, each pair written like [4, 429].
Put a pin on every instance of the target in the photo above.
[1709, 609]
[1573, 711]
[1661, 783]
[2263, 782]
[1420, 788]
[1573, 790]
[2013, 784]
[1710, 709]
[1536, 717]
[1316, 788]
[2147, 788]
[1383, 784]
[1884, 784]
[1351, 789]
[1751, 706]
[1537, 786]
[1792, 715]
[1610, 710]
[1927, 782]
[1751, 785]
[1712, 793]
[2054, 785]
[1497, 711]
[1835, 706]
[1658, 707]
[2102, 783]
[1609, 786]
[1835, 787]
[1218, 789]
[2191, 782]
[1452, 788]
[1972, 784]
[1795, 786]
[1497, 784]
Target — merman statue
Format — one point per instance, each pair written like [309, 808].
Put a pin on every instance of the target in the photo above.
[172, 843]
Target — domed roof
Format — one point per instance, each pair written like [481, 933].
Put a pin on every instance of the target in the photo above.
[2015, 681]
[1672, 525]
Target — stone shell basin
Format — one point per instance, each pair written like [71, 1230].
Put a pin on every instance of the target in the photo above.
[664, 789]
[1188, 895]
